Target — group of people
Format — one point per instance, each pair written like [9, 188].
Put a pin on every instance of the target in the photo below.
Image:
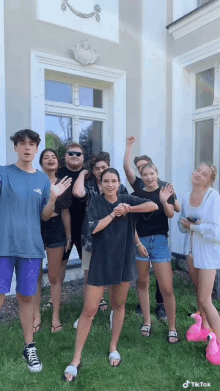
[117, 235]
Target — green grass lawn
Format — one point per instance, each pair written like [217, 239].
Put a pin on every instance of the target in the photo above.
[147, 363]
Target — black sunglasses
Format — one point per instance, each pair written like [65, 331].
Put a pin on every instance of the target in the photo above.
[73, 153]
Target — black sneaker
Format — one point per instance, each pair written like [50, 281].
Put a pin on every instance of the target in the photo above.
[31, 357]
[139, 310]
[160, 312]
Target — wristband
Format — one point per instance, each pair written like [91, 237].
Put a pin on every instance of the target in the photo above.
[138, 244]
[111, 216]
[69, 238]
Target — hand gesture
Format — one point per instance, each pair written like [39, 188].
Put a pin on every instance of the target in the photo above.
[122, 209]
[166, 192]
[142, 251]
[130, 141]
[57, 190]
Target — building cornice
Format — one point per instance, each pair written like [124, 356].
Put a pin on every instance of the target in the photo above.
[195, 19]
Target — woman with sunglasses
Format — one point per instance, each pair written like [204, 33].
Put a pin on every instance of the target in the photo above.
[112, 262]
[200, 221]
[85, 190]
[56, 234]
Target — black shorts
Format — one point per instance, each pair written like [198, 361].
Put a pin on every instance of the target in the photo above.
[53, 232]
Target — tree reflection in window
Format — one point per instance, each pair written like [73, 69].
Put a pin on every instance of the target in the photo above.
[58, 133]
[90, 137]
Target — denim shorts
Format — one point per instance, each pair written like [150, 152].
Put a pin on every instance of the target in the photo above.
[27, 273]
[157, 247]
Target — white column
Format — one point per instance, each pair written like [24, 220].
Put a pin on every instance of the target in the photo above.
[153, 96]
[2, 87]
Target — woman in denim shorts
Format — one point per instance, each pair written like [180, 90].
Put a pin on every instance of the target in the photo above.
[152, 245]
[56, 234]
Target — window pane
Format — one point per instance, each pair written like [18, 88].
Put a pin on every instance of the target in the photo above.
[205, 88]
[58, 92]
[58, 132]
[90, 137]
[90, 97]
[201, 2]
[204, 142]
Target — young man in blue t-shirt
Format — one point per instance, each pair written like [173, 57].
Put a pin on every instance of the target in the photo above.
[26, 197]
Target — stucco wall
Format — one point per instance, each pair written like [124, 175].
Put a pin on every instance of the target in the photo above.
[24, 33]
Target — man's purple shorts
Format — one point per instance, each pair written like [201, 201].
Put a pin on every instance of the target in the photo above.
[27, 272]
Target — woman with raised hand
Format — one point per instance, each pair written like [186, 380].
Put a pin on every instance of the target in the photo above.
[152, 246]
[85, 190]
[56, 234]
[200, 221]
[112, 262]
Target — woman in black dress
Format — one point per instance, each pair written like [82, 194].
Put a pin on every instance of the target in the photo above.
[112, 262]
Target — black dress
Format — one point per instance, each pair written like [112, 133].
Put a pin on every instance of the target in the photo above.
[113, 255]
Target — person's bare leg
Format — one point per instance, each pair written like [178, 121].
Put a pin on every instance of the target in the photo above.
[143, 290]
[164, 276]
[63, 271]
[37, 301]
[93, 295]
[194, 274]
[118, 300]
[206, 279]
[86, 273]
[54, 256]
[26, 313]
[2, 299]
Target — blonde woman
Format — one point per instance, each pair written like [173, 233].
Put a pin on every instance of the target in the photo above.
[200, 221]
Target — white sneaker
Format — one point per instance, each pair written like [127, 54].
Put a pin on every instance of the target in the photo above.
[111, 317]
[75, 324]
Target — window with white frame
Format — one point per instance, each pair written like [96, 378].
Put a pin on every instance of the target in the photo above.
[75, 109]
[201, 2]
[206, 115]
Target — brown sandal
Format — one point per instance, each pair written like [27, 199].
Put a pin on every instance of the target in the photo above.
[37, 328]
[54, 328]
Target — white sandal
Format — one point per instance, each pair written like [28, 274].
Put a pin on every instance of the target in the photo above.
[71, 370]
[114, 356]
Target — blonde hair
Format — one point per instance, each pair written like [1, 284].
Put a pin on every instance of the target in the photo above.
[213, 169]
[149, 165]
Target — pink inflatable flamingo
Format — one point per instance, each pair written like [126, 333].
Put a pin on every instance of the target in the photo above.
[212, 350]
[197, 332]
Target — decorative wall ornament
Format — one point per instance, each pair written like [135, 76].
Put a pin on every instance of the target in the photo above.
[83, 53]
[96, 12]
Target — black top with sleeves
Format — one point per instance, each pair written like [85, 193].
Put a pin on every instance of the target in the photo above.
[153, 223]
[113, 255]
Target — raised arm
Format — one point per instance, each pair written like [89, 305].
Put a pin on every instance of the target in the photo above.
[79, 185]
[55, 192]
[165, 193]
[127, 161]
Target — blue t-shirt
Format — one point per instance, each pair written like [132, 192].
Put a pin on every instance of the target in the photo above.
[23, 196]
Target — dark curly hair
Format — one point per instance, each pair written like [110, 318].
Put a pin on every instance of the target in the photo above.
[101, 157]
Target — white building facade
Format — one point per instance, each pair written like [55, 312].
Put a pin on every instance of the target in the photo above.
[99, 71]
